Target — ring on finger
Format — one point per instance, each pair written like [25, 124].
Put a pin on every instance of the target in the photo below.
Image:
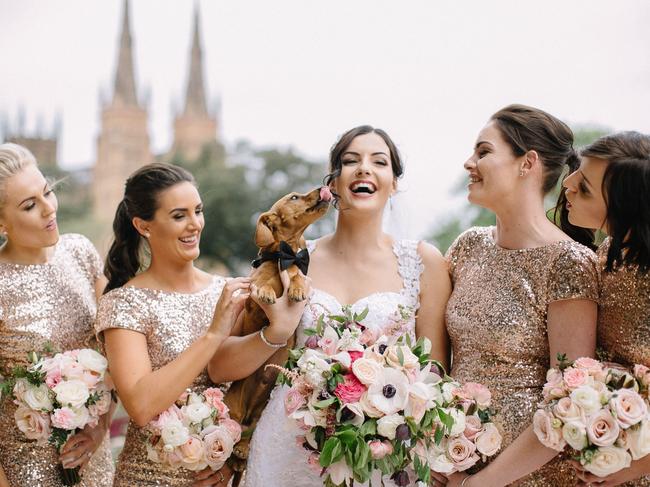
[221, 477]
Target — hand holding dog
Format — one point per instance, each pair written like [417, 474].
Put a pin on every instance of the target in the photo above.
[230, 305]
[284, 315]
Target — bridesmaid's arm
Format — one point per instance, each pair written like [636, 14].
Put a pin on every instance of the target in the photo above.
[144, 392]
[435, 288]
[3, 479]
[100, 284]
[571, 327]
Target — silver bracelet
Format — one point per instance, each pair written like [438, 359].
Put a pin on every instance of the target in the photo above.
[270, 344]
[462, 484]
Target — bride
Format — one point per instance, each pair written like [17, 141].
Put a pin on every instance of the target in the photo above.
[361, 266]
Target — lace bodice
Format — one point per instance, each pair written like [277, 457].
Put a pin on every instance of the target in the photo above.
[270, 465]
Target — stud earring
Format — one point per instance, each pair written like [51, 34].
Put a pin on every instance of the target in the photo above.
[147, 235]
[521, 173]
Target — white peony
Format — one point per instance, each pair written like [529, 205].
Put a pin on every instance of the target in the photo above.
[38, 397]
[196, 412]
[575, 434]
[587, 398]
[73, 393]
[92, 360]
[174, 433]
[387, 425]
[608, 460]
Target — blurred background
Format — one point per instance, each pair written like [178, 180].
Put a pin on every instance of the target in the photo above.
[251, 95]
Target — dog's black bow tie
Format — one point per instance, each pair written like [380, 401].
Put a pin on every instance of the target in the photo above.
[286, 256]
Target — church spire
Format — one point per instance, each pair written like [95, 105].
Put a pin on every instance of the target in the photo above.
[195, 96]
[125, 92]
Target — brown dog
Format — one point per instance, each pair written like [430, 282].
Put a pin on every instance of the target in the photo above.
[282, 225]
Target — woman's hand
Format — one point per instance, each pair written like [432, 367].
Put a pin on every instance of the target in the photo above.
[209, 478]
[230, 305]
[456, 480]
[284, 315]
[80, 447]
[635, 471]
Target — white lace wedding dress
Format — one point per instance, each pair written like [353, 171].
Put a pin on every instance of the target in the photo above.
[275, 460]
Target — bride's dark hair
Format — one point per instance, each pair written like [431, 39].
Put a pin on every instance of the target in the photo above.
[141, 193]
[344, 141]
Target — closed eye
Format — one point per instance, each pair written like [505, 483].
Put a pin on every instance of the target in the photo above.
[583, 187]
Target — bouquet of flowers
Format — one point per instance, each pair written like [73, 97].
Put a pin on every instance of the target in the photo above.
[59, 395]
[194, 433]
[369, 401]
[598, 409]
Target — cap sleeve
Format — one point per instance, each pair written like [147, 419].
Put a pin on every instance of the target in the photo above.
[461, 247]
[86, 255]
[124, 308]
[574, 274]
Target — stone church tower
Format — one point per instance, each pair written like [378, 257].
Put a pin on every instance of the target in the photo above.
[195, 127]
[123, 143]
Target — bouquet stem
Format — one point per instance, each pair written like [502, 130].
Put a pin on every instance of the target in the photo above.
[69, 476]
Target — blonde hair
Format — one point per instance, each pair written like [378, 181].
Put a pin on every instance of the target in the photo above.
[13, 159]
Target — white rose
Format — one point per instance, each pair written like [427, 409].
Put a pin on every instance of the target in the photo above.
[639, 440]
[38, 398]
[608, 460]
[587, 398]
[442, 464]
[81, 416]
[72, 393]
[92, 360]
[196, 412]
[174, 433]
[459, 421]
[489, 440]
[387, 425]
[366, 370]
[575, 434]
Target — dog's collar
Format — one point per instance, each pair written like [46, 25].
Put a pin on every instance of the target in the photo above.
[286, 257]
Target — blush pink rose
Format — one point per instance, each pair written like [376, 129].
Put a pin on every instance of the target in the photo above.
[222, 409]
[642, 373]
[462, 453]
[554, 386]
[379, 449]
[593, 366]
[350, 390]
[567, 410]
[574, 378]
[548, 433]
[218, 446]
[477, 392]
[34, 425]
[233, 427]
[628, 407]
[602, 428]
[192, 454]
[328, 345]
[473, 426]
[293, 401]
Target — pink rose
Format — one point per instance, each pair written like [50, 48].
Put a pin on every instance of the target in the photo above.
[293, 401]
[554, 386]
[34, 425]
[233, 427]
[548, 433]
[642, 373]
[574, 378]
[628, 407]
[473, 426]
[368, 408]
[191, 454]
[489, 440]
[462, 453]
[218, 446]
[213, 395]
[369, 336]
[222, 409]
[594, 367]
[567, 410]
[328, 345]
[350, 390]
[314, 462]
[379, 449]
[602, 428]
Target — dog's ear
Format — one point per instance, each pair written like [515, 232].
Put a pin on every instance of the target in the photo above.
[266, 225]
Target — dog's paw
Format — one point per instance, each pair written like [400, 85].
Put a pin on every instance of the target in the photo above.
[297, 293]
[266, 294]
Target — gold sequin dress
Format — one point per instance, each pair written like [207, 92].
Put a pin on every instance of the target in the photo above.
[624, 319]
[496, 319]
[171, 322]
[52, 302]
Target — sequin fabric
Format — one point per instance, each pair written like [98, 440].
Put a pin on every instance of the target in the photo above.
[624, 319]
[52, 302]
[496, 319]
[171, 322]
[270, 466]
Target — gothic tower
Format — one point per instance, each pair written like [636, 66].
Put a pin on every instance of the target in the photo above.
[195, 127]
[123, 143]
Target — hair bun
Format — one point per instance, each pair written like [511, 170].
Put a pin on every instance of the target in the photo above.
[572, 160]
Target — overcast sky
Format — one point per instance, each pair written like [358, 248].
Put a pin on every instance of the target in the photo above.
[301, 72]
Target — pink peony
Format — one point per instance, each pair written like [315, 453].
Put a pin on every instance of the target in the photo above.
[350, 390]
[293, 401]
[574, 378]
[379, 449]
[462, 453]
[602, 428]
[222, 409]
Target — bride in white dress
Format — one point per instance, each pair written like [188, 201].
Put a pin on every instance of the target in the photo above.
[362, 266]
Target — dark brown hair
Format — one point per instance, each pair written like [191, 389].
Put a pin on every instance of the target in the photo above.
[626, 190]
[344, 141]
[526, 128]
[141, 193]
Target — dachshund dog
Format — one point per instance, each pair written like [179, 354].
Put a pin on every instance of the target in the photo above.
[279, 237]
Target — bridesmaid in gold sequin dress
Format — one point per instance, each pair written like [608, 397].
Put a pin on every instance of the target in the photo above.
[523, 290]
[48, 288]
[611, 192]
[162, 326]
